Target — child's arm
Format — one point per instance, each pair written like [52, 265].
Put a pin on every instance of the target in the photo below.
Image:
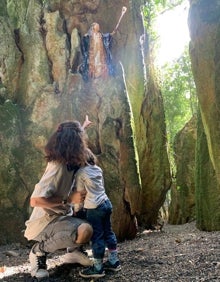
[86, 123]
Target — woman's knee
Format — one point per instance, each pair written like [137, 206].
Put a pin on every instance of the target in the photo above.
[84, 233]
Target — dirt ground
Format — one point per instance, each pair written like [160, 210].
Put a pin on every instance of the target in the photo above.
[177, 253]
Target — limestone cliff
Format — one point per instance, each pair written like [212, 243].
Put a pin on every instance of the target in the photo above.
[182, 206]
[40, 86]
[204, 49]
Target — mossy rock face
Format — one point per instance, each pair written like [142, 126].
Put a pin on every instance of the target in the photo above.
[153, 160]
[207, 186]
[3, 10]
[11, 59]
[205, 64]
[204, 23]
[13, 190]
[182, 207]
[10, 129]
[20, 167]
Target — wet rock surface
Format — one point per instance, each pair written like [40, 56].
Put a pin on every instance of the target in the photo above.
[177, 253]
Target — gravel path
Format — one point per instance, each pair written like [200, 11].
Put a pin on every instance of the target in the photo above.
[177, 253]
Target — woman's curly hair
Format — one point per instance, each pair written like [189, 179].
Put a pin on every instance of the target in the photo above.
[67, 144]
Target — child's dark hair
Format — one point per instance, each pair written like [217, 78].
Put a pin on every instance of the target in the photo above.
[90, 157]
[67, 144]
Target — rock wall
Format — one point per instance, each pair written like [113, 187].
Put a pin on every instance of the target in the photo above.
[207, 186]
[153, 159]
[40, 86]
[204, 49]
[182, 206]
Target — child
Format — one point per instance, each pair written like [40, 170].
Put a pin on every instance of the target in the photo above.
[98, 213]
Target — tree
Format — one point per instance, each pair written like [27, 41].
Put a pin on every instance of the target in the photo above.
[179, 94]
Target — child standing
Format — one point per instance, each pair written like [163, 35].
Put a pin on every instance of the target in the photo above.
[98, 213]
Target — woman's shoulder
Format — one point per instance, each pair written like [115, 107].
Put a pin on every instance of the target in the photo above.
[54, 166]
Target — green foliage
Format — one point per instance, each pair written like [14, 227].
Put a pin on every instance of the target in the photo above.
[179, 94]
[17, 12]
[167, 4]
[152, 9]
[150, 12]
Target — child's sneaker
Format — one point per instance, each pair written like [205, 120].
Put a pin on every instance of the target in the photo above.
[113, 267]
[92, 272]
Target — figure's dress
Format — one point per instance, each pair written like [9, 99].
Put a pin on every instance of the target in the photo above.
[97, 57]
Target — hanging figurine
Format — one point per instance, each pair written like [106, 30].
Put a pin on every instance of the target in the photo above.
[96, 51]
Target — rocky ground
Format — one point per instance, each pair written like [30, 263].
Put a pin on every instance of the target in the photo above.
[177, 253]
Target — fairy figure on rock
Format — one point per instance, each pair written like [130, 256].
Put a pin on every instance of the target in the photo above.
[96, 51]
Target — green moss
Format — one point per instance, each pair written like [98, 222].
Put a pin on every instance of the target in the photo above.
[217, 66]
[9, 116]
[207, 187]
[17, 11]
[3, 10]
